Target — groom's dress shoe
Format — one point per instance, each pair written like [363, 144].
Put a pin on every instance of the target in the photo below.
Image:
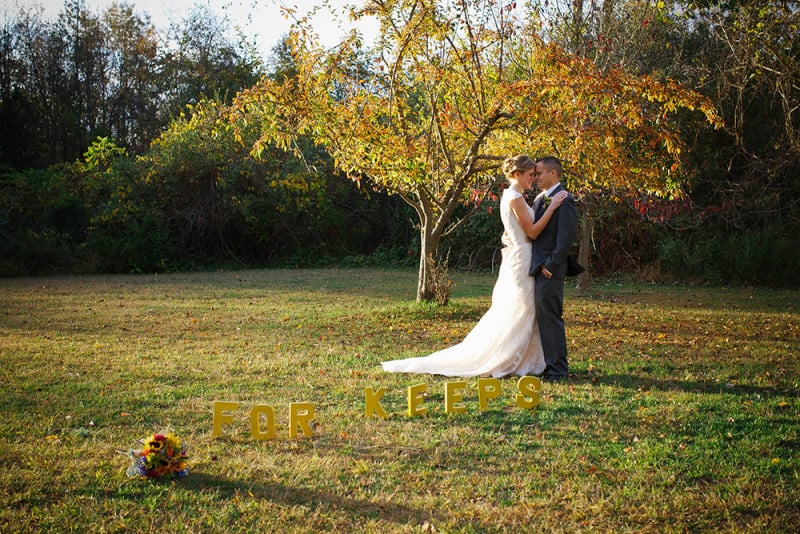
[554, 378]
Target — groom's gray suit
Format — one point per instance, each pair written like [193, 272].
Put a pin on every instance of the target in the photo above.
[550, 250]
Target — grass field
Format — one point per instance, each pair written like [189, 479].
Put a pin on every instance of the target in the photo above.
[682, 413]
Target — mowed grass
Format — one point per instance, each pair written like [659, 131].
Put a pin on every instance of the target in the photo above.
[681, 414]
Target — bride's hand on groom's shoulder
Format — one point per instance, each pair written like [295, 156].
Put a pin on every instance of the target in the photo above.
[558, 198]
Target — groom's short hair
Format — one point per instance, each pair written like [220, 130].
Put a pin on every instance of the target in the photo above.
[552, 163]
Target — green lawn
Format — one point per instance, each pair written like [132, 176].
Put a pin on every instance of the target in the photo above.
[681, 414]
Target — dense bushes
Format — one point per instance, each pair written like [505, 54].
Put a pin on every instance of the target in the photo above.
[196, 199]
[766, 257]
[185, 206]
[42, 223]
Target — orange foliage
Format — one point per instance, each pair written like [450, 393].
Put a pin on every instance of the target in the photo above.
[447, 93]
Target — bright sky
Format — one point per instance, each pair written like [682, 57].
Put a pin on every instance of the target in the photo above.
[259, 20]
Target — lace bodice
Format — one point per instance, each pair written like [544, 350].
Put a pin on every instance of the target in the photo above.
[514, 234]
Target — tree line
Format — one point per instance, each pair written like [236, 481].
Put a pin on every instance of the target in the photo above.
[118, 154]
[84, 75]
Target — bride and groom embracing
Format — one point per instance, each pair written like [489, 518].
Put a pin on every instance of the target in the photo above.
[522, 333]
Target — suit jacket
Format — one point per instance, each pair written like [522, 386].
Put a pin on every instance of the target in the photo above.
[551, 248]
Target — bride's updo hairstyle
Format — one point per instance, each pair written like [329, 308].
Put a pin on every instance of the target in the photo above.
[517, 163]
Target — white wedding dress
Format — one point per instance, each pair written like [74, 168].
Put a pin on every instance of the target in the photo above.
[506, 340]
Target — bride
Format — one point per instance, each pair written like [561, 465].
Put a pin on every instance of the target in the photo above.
[506, 339]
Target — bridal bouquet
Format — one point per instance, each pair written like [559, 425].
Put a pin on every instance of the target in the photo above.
[162, 455]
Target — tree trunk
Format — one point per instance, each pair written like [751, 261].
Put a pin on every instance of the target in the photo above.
[577, 25]
[426, 281]
[585, 278]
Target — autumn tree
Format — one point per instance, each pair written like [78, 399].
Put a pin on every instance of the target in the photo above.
[633, 36]
[451, 89]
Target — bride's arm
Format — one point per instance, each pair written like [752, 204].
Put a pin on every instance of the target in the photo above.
[533, 229]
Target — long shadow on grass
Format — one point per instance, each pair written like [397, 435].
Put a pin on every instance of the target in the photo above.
[280, 493]
[688, 386]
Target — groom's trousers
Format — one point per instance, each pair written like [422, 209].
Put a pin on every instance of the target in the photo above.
[549, 296]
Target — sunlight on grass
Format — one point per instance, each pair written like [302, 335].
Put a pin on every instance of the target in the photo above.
[681, 412]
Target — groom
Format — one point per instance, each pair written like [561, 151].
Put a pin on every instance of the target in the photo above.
[549, 266]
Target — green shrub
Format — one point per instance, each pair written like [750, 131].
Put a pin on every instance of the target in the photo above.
[763, 257]
[41, 222]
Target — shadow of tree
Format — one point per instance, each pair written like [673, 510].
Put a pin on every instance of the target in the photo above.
[280, 493]
[688, 386]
